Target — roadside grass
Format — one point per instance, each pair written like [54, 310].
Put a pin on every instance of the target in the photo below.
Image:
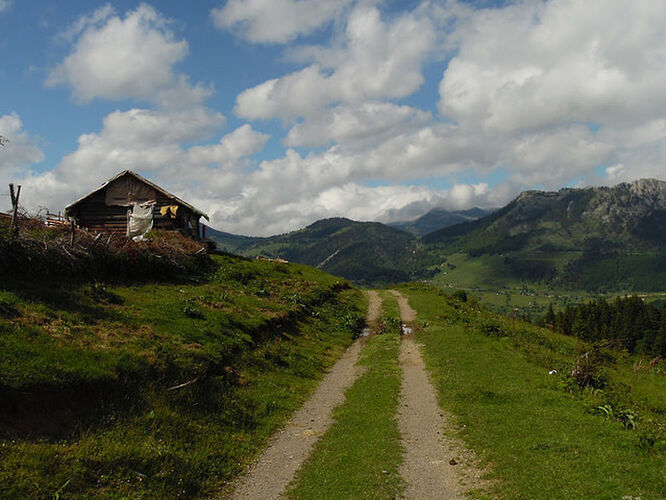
[542, 437]
[359, 455]
[159, 390]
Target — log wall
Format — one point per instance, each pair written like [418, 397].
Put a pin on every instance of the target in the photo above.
[92, 213]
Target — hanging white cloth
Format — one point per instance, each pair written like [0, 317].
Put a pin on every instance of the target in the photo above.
[141, 220]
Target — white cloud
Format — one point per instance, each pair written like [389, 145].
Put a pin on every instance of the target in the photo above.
[539, 93]
[362, 125]
[117, 58]
[4, 5]
[99, 16]
[534, 65]
[241, 143]
[275, 21]
[21, 149]
[373, 60]
[20, 152]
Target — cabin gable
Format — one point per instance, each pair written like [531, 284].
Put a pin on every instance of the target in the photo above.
[109, 207]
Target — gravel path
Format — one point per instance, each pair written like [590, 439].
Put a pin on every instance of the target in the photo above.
[427, 468]
[288, 448]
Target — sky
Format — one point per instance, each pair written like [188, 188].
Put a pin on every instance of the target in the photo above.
[271, 114]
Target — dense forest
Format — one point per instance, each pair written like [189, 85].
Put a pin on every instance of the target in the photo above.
[629, 322]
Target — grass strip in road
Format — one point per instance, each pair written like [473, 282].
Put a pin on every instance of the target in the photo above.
[389, 305]
[542, 442]
[359, 455]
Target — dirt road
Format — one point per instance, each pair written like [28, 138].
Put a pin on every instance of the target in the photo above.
[427, 468]
[288, 449]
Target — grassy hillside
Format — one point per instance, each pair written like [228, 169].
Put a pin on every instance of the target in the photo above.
[593, 428]
[159, 389]
[366, 252]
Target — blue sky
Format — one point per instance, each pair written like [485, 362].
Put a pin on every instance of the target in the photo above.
[270, 114]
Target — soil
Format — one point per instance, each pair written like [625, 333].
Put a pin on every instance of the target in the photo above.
[435, 465]
[288, 448]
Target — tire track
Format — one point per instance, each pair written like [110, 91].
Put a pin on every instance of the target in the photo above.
[288, 448]
[429, 468]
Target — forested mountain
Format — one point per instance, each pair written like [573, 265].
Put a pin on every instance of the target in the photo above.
[599, 238]
[593, 238]
[366, 252]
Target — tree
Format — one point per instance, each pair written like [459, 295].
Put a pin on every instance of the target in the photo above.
[3, 140]
[550, 320]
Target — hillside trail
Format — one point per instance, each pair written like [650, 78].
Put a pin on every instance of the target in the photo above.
[269, 476]
[435, 465]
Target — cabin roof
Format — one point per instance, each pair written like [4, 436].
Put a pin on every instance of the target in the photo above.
[142, 179]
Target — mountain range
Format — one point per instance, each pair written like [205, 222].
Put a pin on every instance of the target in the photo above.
[597, 238]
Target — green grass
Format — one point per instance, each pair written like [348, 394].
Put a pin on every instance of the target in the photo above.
[390, 307]
[86, 373]
[359, 456]
[541, 437]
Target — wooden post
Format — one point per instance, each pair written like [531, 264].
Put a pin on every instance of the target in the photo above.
[71, 238]
[15, 203]
[203, 231]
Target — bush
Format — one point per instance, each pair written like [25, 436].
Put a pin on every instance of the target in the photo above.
[42, 251]
[588, 369]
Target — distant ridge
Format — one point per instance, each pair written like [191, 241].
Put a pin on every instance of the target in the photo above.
[439, 218]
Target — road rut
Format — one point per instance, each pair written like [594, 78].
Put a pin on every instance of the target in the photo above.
[288, 448]
[427, 466]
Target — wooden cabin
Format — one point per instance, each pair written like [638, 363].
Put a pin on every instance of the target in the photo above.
[128, 199]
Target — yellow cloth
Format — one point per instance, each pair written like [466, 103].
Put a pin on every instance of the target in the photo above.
[169, 210]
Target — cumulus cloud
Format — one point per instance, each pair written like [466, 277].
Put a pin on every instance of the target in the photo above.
[374, 60]
[370, 122]
[117, 58]
[21, 149]
[275, 21]
[539, 64]
[241, 143]
[152, 143]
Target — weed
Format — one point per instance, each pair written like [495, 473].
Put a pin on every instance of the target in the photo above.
[588, 369]
[99, 293]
